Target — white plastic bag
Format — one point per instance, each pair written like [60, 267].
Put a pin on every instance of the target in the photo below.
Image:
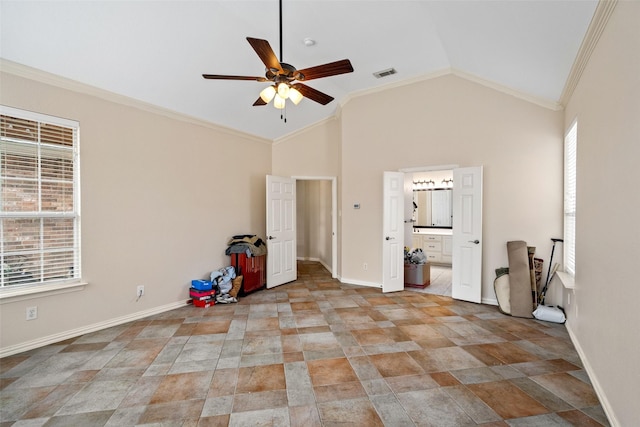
[549, 314]
[418, 257]
[223, 278]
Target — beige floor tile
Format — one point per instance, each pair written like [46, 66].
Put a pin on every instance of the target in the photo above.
[314, 352]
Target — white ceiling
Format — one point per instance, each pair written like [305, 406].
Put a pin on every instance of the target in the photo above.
[156, 51]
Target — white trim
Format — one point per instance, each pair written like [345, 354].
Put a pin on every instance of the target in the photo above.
[20, 70]
[38, 117]
[428, 168]
[40, 145]
[566, 279]
[542, 102]
[546, 103]
[596, 27]
[52, 339]
[10, 294]
[489, 301]
[396, 84]
[360, 283]
[24, 71]
[604, 402]
[334, 219]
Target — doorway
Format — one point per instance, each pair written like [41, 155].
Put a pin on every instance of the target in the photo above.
[316, 217]
[431, 225]
[466, 230]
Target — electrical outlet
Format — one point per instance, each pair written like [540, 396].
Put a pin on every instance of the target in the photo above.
[32, 313]
[140, 291]
[365, 266]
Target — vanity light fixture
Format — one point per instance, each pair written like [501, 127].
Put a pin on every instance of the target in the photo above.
[423, 185]
[447, 182]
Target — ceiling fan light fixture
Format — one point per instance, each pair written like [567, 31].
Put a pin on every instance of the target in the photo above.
[282, 76]
[268, 93]
[283, 90]
[295, 96]
[278, 102]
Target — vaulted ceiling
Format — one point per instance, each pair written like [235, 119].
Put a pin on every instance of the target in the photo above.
[157, 51]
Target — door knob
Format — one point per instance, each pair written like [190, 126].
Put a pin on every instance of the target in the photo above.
[389, 238]
[474, 241]
[270, 237]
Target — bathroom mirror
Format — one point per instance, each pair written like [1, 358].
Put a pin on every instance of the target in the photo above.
[432, 208]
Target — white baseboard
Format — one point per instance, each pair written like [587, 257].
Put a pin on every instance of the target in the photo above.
[51, 339]
[360, 283]
[606, 406]
[489, 301]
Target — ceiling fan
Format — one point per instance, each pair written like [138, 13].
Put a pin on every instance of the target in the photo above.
[285, 77]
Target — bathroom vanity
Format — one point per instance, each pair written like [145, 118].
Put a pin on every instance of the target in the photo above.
[436, 243]
[432, 221]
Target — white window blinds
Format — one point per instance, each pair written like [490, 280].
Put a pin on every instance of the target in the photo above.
[570, 147]
[39, 206]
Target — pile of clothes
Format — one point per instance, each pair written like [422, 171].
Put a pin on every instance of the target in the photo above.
[227, 284]
[416, 256]
[248, 244]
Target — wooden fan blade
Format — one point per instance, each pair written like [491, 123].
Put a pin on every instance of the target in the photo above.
[259, 102]
[225, 77]
[326, 70]
[313, 94]
[264, 51]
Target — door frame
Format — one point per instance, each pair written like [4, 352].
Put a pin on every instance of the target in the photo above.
[433, 169]
[440, 168]
[334, 217]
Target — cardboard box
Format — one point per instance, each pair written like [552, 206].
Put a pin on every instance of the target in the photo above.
[417, 275]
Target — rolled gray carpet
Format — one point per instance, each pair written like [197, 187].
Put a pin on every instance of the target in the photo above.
[520, 297]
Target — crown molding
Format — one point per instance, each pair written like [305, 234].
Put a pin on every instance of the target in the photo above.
[542, 102]
[394, 85]
[30, 73]
[551, 105]
[596, 27]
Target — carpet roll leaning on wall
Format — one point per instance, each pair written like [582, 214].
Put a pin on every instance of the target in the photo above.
[520, 297]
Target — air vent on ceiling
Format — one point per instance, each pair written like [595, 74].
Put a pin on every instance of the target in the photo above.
[385, 73]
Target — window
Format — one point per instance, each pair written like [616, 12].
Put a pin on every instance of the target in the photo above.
[39, 199]
[570, 145]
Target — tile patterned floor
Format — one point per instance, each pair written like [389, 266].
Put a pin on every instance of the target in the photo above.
[311, 353]
[440, 283]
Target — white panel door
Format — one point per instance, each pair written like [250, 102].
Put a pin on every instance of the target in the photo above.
[281, 231]
[393, 232]
[467, 234]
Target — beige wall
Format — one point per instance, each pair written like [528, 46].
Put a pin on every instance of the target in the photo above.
[603, 314]
[314, 152]
[160, 199]
[443, 121]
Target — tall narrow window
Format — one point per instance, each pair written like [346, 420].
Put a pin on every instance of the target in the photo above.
[39, 198]
[570, 146]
